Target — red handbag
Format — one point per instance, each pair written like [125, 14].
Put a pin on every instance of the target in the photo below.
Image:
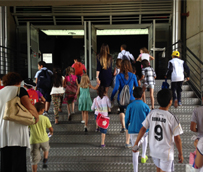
[102, 121]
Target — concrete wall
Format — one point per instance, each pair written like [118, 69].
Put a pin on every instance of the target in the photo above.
[194, 29]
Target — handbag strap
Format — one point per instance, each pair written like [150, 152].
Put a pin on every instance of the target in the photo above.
[18, 93]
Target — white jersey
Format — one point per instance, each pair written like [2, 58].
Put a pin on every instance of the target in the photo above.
[178, 70]
[197, 117]
[200, 149]
[163, 126]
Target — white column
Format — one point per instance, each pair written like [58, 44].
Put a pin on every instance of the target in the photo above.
[28, 50]
[90, 48]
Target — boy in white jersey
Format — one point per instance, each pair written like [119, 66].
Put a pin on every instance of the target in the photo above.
[164, 129]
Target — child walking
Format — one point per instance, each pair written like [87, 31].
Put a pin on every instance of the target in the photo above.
[164, 132]
[144, 55]
[39, 138]
[148, 77]
[57, 92]
[71, 85]
[136, 113]
[85, 101]
[101, 104]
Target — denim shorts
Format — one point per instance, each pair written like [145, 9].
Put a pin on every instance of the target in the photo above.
[95, 116]
[104, 131]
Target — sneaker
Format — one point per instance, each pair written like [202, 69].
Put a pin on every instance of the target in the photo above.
[122, 130]
[45, 113]
[144, 160]
[82, 122]
[103, 146]
[45, 163]
[175, 103]
[179, 104]
[86, 129]
[128, 145]
[70, 117]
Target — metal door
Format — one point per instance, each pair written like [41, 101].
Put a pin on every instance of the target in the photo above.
[32, 49]
[151, 42]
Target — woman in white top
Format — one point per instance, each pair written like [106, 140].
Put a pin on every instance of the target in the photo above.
[144, 55]
[14, 137]
[57, 92]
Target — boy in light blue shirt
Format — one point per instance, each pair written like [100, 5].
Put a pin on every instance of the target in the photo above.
[136, 113]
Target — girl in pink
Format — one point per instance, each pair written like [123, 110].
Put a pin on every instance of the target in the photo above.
[101, 104]
[144, 55]
[71, 85]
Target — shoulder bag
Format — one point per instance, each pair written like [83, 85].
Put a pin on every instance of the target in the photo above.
[16, 112]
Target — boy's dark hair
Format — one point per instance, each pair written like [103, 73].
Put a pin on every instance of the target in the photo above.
[145, 63]
[137, 92]
[39, 106]
[42, 63]
[28, 87]
[164, 97]
[124, 46]
[77, 58]
[134, 69]
[101, 91]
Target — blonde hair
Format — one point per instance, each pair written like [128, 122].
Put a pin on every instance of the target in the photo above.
[70, 70]
[85, 81]
[105, 58]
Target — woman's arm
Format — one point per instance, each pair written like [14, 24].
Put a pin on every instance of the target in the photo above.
[114, 72]
[64, 83]
[116, 87]
[28, 105]
[193, 127]
[77, 82]
[199, 159]
[97, 76]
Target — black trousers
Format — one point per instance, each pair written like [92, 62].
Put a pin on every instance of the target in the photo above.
[176, 88]
[13, 159]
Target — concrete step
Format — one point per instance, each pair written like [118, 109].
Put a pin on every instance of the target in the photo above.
[95, 164]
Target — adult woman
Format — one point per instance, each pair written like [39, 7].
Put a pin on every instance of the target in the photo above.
[14, 137]
[126, 77]
[57, 92]
[104, 67]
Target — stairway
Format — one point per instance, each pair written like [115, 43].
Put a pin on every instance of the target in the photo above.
[74, 150]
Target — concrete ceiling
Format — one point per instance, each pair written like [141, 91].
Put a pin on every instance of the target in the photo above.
[134, 12]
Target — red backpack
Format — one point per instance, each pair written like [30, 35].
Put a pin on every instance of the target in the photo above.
[33, 96]
[78, 68]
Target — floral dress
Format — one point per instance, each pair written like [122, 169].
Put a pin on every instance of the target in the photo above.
[71, 89]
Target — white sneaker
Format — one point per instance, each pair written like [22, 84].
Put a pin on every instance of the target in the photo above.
[82, 122]
[45, 113]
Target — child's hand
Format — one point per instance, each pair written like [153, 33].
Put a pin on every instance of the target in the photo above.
[180, 157]
[135, 148]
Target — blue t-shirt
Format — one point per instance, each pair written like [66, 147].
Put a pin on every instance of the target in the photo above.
[120, 83]
[135, 114]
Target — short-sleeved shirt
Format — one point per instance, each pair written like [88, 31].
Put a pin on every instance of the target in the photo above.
[38, 132]
[197, 117]
[39, 94]
[200, 149]
[83, 66]
[163, 127]
[127, 54]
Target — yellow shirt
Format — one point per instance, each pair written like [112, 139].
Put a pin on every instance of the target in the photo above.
[38, 133]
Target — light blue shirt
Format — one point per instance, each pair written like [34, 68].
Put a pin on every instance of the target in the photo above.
[44, 68]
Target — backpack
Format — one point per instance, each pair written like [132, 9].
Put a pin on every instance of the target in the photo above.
[124, 98]
[44, 80]
[78, 68]
[165, 85]
[125, 57]
[33, 96]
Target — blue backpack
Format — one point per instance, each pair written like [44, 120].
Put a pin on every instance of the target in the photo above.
[165, 85]
[44, 80]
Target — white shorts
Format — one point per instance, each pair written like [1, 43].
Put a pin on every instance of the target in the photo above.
[133, 138]
[148, 86]
[164, 165]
